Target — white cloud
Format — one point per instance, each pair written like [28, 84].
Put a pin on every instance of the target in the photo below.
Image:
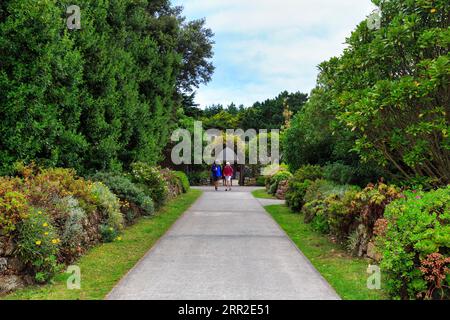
[265, 46]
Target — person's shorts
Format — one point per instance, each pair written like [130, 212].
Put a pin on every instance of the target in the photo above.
[215, 178]
[228, 178]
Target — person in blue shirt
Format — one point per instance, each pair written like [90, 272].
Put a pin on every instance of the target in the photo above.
[216, 172]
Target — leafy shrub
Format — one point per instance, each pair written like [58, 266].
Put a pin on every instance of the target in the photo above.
[38, 244]
[199, 178]
[349, 212]
[73, 233]
[46, 187]
[339, 173]
[320, 223]
[321, 188]
[125, 189]
[308, 172]
[151, 180]
[174, 185]
[273, 188]
[48, 183]
[373, 200]
[332, 205]
[312, 208]
[110, 205]
[296, 193]
[183, 179]
[271, 169]
[261, 181]
[299, 184]
[109, 234]
[418, 225]
[275, 180]
[13, 208]
[342, 212]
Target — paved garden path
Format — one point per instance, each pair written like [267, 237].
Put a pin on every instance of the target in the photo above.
[224, 247]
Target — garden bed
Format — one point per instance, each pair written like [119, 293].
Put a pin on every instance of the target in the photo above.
[104, 265]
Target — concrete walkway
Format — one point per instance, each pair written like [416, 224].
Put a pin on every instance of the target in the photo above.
[224, 247]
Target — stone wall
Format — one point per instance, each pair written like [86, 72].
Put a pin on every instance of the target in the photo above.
[12, 271]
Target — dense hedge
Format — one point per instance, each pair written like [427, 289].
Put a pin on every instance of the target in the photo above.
[101, 97]
[50, 217]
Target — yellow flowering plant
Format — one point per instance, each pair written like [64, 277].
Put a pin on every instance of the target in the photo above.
[38, 244]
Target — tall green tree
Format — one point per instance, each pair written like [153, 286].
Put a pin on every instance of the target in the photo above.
[392, 88]
[269, 114]
[100, 97]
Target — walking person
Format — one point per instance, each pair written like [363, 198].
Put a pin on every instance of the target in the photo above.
[216, 172]
[228, 173]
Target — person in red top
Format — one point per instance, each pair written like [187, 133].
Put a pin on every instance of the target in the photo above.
[228, 174]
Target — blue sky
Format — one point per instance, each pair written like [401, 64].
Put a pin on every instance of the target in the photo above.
[266, 46]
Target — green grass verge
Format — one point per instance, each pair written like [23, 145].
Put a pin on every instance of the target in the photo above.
[262, 194]
[103, 266]
[346, 274]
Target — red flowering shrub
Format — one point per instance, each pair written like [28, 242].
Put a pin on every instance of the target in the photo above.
[380, 227]
[436, 270]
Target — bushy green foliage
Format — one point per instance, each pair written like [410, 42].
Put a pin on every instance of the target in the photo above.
[199, 178]
[73, 234]
[173, 182]
[372, 110]
[339, 173]
[321, 188]
[342, 213]
[269, 114]
[314, 137]
[320, 222]
[45, 186]
[109, 234]
[296, 193]
[309, 172]
[310, 139]
[330, 207]
[346, 210]
[274, 181]
[151, 180]
[110, 205]
[38, 244]
[14, 206]
[261, 181]
[418, 227]
[303, 178]
[74, 213]
[398, 111]
[125, 189]
[100, 97]
[183, 179]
